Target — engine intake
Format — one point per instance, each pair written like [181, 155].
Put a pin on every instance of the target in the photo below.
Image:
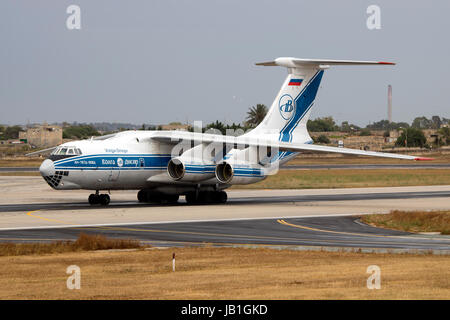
[176, 169]
[224, 172]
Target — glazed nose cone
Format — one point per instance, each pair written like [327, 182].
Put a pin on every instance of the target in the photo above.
[47, 168]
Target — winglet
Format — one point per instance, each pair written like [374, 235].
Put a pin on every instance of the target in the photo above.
[423, 159]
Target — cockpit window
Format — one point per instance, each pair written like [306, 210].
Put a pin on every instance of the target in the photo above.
[66, 151]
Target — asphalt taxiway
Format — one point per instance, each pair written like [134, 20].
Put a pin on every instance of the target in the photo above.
[31, 211]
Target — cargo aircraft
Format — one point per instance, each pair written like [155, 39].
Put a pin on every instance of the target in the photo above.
[164, 165]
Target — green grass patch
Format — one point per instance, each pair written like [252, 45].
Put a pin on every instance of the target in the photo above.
[335, 178]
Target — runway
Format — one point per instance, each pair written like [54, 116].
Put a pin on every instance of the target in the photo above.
[322, 231]
[274, 218]
[55, 206]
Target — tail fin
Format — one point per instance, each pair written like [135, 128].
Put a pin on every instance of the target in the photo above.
[287, 117]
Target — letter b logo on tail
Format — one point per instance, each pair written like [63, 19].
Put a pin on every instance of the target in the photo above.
[286, 106]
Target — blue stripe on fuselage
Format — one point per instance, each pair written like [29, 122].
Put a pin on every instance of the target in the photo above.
[111, 161]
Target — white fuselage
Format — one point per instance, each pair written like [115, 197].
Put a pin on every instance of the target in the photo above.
[132, 160]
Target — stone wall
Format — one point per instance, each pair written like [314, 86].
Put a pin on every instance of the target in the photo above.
[44, 136]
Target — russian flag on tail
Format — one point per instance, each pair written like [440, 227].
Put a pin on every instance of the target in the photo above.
[295, 82]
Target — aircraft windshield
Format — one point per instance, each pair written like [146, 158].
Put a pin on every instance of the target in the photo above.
[67, 151]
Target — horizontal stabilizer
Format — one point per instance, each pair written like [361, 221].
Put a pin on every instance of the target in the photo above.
[289, 62]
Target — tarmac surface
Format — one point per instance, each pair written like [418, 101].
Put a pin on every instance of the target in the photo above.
[31, 211]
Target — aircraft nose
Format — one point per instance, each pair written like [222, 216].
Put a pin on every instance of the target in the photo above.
[47, 168]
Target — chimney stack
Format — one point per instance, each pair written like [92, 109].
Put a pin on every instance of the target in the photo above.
[389, 103]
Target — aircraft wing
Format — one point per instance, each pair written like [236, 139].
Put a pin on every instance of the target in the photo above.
[174, 137]
[311, 147]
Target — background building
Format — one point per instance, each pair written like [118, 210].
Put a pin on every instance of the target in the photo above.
[44, 136]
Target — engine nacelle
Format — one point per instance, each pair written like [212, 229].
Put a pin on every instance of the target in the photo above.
[229, 173]
[179, 170]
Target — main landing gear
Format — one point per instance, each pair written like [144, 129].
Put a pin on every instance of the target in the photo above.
[145, 195]
[96, 198]
[206, 197]
[199, 197]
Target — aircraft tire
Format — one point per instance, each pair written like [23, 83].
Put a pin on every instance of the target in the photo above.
[104, 199]
[172, 198]
[191, 198]
[221, 197]
[93, 199]
[141, 195]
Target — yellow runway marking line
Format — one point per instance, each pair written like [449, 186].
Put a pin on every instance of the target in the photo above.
[334, 241]
[354, 234]
[191, 233]
[31, 214]
[42, 218]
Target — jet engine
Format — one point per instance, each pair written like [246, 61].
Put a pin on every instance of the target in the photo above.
[230, 173]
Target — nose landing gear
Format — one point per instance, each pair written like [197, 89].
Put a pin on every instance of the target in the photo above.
[96, 198]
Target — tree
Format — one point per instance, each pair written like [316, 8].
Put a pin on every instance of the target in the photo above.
[411, 137]
[422, 123]
[255, 115]
[234, 129]
[325, 124]
[346, 127]
[385, 125]
[11, 132]
[216, 125]
[436, 122]
[365, 132]
[79, 132]
[445, 132]
[323, 139]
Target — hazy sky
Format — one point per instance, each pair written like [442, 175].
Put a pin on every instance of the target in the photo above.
[162, 61]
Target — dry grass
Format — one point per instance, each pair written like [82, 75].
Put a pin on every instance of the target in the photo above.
[84, 242]
[20, 174]
[21, 162]
[415, 221]
[225, 273]
[335, 178]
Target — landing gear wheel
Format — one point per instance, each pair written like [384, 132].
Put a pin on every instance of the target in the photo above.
[104, 199]
[206, 197]
[191, 198]
[149, 195]
[221, 197]
[142, 196]
[94, 199]
[172, 198]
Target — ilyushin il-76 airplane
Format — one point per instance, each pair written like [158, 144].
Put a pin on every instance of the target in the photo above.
[163, 165]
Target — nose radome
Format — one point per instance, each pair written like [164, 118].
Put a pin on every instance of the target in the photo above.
[47, 168]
